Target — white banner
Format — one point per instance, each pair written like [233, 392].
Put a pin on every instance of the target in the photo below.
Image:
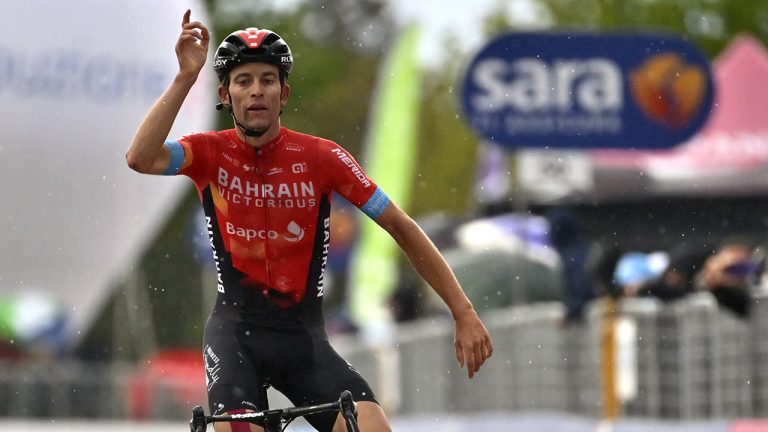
[554, 174]
[76, 79]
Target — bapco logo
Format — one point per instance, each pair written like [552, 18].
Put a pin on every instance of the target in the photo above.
[296, 231]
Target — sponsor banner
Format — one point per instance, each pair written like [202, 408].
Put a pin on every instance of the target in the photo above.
[552, 90]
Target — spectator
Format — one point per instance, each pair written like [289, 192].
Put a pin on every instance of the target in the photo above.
[565, 233]
[636, 270]
[676, 280]
[729, 274]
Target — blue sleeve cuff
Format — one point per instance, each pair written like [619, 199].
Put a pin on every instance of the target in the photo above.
[376, 204]
[177, 157]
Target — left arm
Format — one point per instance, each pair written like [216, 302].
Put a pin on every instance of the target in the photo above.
[472, 341]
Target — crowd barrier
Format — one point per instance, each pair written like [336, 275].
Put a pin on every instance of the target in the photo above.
[693, 361]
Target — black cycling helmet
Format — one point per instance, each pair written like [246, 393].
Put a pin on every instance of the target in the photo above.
[252, 45]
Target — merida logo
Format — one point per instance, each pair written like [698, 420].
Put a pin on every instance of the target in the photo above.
[348, 161]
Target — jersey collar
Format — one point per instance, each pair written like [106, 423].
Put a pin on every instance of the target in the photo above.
[266, 148]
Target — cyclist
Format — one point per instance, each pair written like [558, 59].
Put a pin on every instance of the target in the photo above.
[266, 194]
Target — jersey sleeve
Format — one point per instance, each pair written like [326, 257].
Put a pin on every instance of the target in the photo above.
[343, 174]
[188, 156]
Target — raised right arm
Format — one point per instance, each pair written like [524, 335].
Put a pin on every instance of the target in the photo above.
[147, 153]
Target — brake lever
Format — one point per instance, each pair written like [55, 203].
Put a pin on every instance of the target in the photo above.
[198, 423]
[349, 410]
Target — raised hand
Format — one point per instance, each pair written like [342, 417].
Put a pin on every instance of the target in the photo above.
[192, 46]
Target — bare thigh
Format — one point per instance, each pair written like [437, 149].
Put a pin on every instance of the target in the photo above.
[370, 418]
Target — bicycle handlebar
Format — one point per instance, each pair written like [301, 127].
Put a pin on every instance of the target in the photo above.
[275, 420]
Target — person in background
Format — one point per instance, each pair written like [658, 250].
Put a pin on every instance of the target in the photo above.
[676, 279]
[566, 235]
[729, 274]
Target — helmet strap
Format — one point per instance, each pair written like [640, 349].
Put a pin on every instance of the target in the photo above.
[244, 129]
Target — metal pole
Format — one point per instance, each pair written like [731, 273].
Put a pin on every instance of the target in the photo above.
[611, 402]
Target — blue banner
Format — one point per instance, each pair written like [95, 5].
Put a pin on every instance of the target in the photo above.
[552, 90]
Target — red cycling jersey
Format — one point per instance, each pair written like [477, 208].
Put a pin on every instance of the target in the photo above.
[268, 211]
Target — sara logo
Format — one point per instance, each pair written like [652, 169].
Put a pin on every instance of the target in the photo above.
[587, 90]
[669, 90]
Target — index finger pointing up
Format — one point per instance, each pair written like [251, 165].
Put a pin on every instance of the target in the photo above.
[185, 20]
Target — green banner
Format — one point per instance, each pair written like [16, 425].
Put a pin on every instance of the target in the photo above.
[389, 160]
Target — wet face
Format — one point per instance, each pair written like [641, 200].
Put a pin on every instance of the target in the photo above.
[256, 95]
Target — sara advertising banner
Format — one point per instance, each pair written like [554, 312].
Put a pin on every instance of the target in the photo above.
[564, 90]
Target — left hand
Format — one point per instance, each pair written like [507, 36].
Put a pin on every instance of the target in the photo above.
[473, 342]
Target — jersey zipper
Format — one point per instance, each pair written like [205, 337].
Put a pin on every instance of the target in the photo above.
[263, 178]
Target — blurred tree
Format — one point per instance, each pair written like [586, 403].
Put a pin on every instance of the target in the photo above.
[710, 24]
[447, 149]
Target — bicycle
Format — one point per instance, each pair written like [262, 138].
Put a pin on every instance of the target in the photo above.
[276, 420]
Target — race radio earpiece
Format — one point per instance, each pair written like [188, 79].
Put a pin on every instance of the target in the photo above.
[221, 105]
